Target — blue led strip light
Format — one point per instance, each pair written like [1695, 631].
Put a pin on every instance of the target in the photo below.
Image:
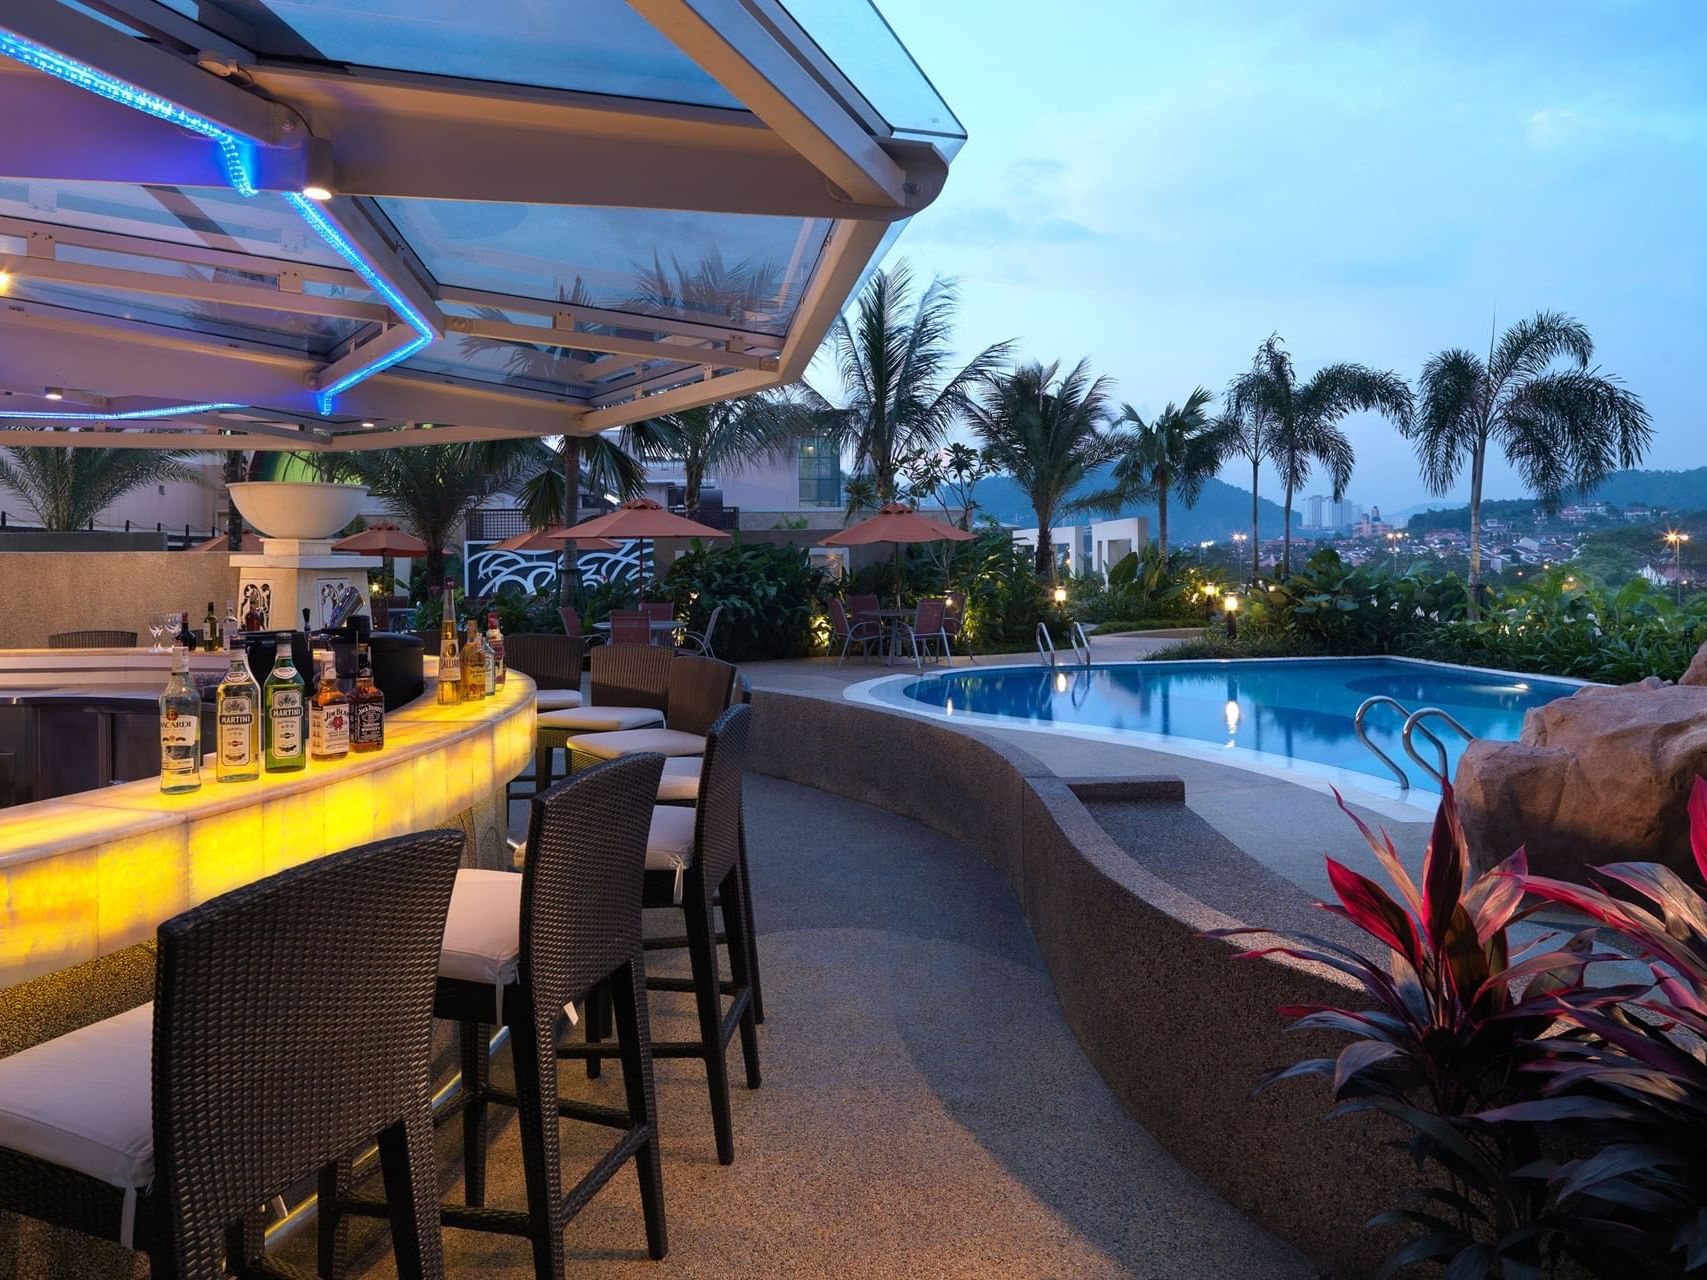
[329, 232]
[234, 151]
[132, 415]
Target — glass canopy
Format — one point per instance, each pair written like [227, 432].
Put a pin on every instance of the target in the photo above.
[479, 216]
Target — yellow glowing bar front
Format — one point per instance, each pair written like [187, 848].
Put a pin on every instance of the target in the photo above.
[87, 874]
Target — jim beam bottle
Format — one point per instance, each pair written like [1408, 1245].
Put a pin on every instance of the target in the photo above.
[450, 656]
[367, 707]
[180, 728]
[237, 716]
[286, 716]
[329, 715]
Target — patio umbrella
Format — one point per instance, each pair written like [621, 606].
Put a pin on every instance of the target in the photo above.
[382, 540]
[897, 523]
[251, 544]
[551, 540]
[640, 518]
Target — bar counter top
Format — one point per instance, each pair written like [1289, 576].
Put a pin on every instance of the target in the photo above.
[88, 874]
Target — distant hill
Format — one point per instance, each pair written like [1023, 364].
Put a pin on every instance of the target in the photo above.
[1221, 508]
[1663, 490]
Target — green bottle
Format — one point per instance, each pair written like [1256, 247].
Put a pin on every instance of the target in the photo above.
[287, 715]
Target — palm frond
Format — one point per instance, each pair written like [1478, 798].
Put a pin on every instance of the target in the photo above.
[1572, 428]
[1450, 415]
[1529, 346]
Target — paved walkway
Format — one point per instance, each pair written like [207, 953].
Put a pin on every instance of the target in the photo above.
[925, 1111]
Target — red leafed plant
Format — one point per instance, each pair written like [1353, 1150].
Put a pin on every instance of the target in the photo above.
[1630, 1076]
[1443, 1043]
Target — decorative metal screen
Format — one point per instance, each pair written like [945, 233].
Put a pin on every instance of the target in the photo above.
[533, 572]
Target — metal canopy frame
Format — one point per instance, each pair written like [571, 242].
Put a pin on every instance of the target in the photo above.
[188, 104]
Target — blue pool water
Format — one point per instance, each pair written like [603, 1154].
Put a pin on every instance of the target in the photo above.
[1301, 711]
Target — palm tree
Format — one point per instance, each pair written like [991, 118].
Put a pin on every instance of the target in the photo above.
[729, 434]
[68, 488]
[1248, 426]
[1176, 451]
[1560, 427]
[1046, 431]
[1303, 418]
[894, 362]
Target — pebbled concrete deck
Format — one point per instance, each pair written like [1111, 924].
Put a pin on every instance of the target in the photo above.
[925, 1111]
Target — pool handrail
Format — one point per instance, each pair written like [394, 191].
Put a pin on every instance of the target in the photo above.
[1366, 706]
[1413, 724]
[1081, 644]
[1045, 645]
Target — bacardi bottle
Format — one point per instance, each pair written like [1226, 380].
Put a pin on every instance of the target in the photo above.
[180, 728]
[367, 707]
[286, 719]
[495, 639]
[450, 656]
[237, 755]
[329, 715]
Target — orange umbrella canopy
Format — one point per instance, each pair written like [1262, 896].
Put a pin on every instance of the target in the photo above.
[641, 518]
[895, 522]
[251, 544]
[551, 540]
[382, 540]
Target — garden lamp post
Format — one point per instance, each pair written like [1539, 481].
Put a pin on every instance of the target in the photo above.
[1230, 606]
[1676, 538]
[1394, 538]
[1239, 549]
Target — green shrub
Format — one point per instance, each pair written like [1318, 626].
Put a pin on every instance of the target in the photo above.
[771, 597]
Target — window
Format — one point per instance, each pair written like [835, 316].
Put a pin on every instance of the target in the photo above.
[820, 472]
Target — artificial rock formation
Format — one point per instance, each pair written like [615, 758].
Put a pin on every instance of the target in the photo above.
[1602, 776]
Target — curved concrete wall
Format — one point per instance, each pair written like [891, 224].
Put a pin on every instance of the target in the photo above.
[1179, 1030]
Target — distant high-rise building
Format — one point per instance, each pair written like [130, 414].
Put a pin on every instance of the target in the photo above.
[1313, 509]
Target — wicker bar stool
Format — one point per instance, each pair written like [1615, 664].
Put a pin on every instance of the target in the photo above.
[700, 690]
[693, 862]
[552, 662]
[292, 1022]
[630, 689]
[517, 949]
[92, 640]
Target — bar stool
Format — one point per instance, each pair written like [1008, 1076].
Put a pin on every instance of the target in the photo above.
[693, 862]
[518, 949]
[699, 691]
[630, 689]
[292, 1019]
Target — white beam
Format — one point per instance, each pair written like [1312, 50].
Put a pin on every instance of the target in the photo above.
[578, 340]
[748, 60]
[688, 397]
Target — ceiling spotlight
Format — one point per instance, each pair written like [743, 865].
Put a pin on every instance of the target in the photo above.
[317, 193]
[5, 281]
[53, 393]
[369, 423]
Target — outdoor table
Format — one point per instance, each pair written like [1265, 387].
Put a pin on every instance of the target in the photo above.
[887, 618]
[667, 629]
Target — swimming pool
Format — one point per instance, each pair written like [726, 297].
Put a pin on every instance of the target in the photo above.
[1258, 713]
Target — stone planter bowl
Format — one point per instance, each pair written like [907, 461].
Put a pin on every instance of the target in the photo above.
[291, 509]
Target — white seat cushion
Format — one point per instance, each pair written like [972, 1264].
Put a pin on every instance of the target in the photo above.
[628, 742]
[669, 844]
[600, 719]
[557, 699]
[84, 1101]
[482, 941]
[681, 779]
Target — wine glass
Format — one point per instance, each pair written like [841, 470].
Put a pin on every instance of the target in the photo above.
[156, 627]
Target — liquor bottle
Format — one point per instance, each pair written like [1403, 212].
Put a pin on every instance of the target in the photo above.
[238, 715]
[473, 665]
[282, 701]
[180, 728]
[185, 636]
[367, 707]
[230, 626]
[210, 631]
[488, 668]
[450, 657]
[329, 715]
[495, 638]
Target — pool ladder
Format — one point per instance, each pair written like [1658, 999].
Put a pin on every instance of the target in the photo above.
[1076, 637]
[1413, 726]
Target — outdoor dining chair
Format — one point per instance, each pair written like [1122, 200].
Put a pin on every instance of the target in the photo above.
[630, 626]
[572, 626]
[700, 641]
[865, 632]
[926, 629]
[628, 688]
[693, 863]
[517, 950]
[292, 1023]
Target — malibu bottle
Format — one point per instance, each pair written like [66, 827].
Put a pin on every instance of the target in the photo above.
[180, 728]
[238, 717]
[282, 699]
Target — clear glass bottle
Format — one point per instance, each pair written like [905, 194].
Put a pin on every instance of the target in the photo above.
[328, 714]
[473, 665]
[488, 668]
[229, 627]
[367, 707]
[495, 640]
[180, 728]
[286, 718]
[237, 715]
[450, 656]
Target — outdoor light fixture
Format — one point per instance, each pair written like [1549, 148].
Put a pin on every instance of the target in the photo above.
[1060, 682]
[369, 423]
[1230, 603]
[317, 193]
[1060, 595]
[5, 281]
[53, 393]
[132, 415]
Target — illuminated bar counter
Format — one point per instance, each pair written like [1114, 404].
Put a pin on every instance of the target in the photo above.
[89, 874]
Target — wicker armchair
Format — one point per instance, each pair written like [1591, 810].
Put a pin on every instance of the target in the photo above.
[292, 1021]
[553, 662]
[694, 864]
[92, 640]
[517, 950]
